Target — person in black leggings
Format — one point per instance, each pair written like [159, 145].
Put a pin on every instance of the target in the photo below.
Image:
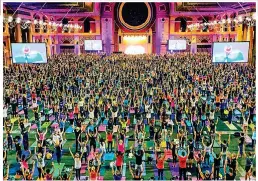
[216, 166]
[92, 138]
[77, 133]
[173, 148]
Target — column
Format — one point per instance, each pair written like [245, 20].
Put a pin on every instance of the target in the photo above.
[8, 51]
[245, 32]
[97, 26]
[250, 33]
[30, 33]
[49, 46]
[193, 44]
[6, 28]
[18, 33]
[239, 32]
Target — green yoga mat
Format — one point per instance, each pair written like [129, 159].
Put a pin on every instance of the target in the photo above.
[57, 168]
[45, 125]
[150, 144]
[34, 144]
[231, 126]
[216, 144]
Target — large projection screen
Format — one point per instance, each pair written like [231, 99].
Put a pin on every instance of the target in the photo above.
[177, 44]
[29, 53]
[93, 45]
[230, 52]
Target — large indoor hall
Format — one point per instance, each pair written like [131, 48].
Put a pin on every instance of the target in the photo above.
[129, 91]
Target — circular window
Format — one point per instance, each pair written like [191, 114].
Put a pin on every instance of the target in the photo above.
[134, 16]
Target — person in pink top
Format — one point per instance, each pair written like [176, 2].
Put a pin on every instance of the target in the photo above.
[121, 146]
[24, 162]
[71, 117]
[41, 135]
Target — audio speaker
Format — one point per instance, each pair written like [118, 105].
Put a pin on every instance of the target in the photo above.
[120, 40]
[149, 39]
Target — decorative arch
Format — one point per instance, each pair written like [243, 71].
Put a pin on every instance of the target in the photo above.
[181, 23]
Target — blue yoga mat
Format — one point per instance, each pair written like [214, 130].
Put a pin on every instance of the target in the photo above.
[105, 122]
[188, 123]
[69, 130]
[109, 156]
[14, 168]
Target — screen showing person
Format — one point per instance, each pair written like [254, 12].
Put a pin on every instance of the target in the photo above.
[93, 44]
[177, 44]
[230, 52]
[29, 52]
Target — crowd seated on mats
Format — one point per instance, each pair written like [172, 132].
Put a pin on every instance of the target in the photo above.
[129, 117]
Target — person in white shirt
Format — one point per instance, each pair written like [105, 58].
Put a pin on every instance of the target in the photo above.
[5, 113]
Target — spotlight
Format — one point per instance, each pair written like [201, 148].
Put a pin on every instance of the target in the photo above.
[18, 20]
[35, 21]
[10, 19]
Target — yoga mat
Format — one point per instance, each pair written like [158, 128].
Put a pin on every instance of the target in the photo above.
[126, 142]
[102, 127]
[34, 126]
[32, 119]
[100, 178]
[109, 156]
[102, 170]
[124, 169]
[34, 144]
[188, 123]
[14, 168]
[248, 140]
[69, 130]
[36, 172]
[155, 167]
[237, 112]
[105, 122]
[163, 144]
[251, 126]
[63, 143]
[45, 125]
[27, 124]
[52, 118]
[231, 126]
[216, 144]
[57, 168]
[54, 125]
[143, 165]
[21, 112]
[43, 118]
[175, 169]
[83, 169]
[13, 120]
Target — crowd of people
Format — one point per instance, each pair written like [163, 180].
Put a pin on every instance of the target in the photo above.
[175, 102]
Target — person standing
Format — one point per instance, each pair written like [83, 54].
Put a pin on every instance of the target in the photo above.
[182, 164]
[160, 164]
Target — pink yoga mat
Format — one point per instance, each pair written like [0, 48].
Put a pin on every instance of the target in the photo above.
[54, 125]
[34, 126]
[83, 169]
[102, 128]
[21, 113]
